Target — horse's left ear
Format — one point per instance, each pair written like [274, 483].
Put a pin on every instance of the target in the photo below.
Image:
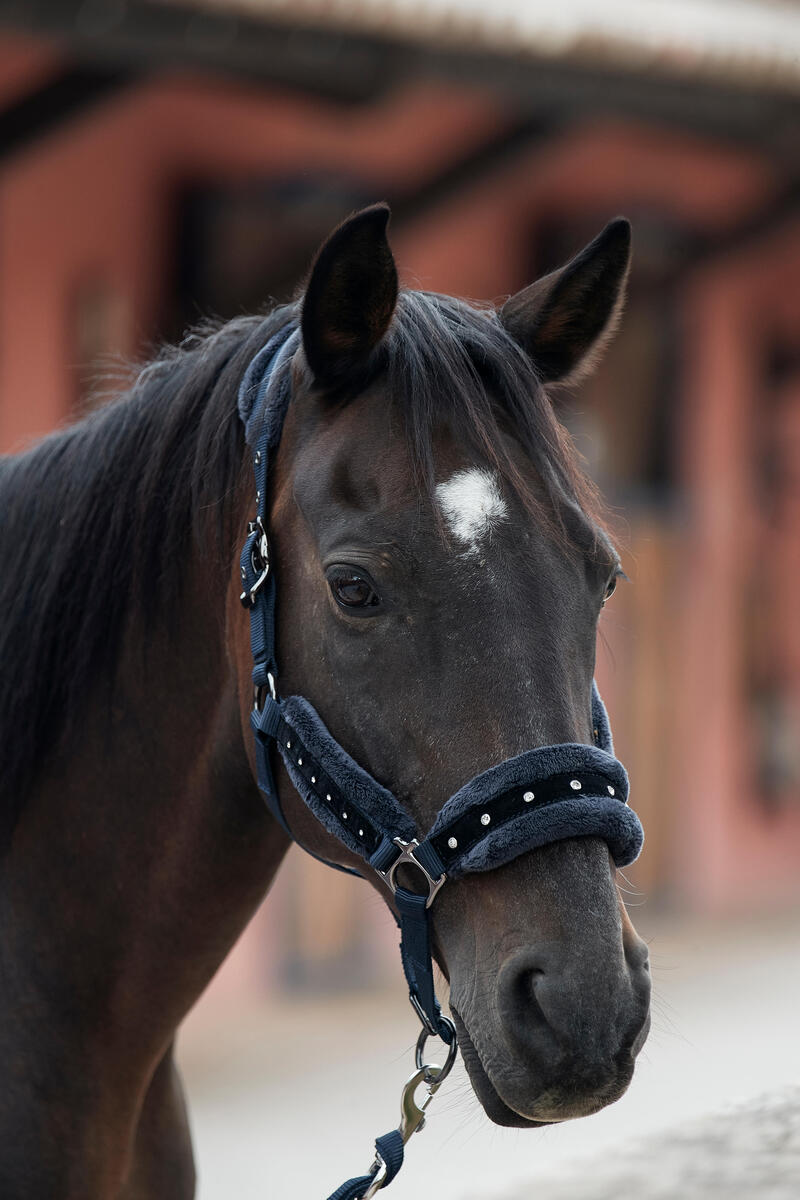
[564, 319]
[351, 296]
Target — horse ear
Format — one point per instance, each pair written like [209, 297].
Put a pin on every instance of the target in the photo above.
[350, 297]
[564, 319]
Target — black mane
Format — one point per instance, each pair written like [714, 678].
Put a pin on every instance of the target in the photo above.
[98, 519]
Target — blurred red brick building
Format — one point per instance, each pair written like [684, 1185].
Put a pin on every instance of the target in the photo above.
[163, 161]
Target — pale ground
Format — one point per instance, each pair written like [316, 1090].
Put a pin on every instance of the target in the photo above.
[751, 1153]
[287, 1099]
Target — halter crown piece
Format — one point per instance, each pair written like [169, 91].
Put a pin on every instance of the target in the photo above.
[541, 796]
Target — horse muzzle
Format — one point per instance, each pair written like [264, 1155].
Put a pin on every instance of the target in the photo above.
[559, 1035]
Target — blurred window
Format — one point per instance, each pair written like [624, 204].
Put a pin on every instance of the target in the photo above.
[244, 245]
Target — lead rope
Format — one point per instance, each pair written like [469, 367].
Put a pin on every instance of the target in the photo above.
[390, 1147]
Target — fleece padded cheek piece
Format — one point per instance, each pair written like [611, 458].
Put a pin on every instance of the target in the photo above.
[541, 796]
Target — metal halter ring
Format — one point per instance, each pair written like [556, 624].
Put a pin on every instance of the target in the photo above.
[259, 561]
[379, 1171]
[260, 688]
[407, 855]
[452, 1050]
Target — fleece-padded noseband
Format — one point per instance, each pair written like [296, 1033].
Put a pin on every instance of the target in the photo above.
[544, 795]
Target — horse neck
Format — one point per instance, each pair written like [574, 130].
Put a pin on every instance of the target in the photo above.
[142, 851]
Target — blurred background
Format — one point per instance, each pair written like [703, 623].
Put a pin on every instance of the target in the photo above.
[161, 160]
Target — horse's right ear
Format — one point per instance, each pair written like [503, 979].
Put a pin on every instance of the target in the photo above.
[351, 296]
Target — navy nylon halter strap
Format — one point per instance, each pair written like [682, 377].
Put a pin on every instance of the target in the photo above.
[541, 796]
[390, 1148]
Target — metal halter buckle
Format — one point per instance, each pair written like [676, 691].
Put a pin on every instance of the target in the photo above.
[259, 560]
[259, 690]
[406, 855]
[378, 1171]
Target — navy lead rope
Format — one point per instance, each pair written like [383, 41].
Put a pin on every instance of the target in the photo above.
[540, 796]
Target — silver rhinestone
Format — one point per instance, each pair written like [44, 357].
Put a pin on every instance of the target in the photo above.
[452, 843]
[528, 797]
[288, 745]
[611, 791]
[328, 797]
[257, 457]
[313, 779]
[258, 497]
[299, 762]
[244, 573]
[361, 833]
[485, 819]
[575, 784]
[344, 816]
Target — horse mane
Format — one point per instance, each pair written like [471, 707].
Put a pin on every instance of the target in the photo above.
[97, 521]
[99, 518]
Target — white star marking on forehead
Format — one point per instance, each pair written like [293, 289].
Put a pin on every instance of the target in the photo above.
[472, 505]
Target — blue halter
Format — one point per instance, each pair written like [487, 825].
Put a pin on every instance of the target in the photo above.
[541, 796]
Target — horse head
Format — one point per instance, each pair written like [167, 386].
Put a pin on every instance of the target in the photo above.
[440, 569]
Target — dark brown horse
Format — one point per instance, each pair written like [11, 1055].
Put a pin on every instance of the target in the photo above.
[441, 569]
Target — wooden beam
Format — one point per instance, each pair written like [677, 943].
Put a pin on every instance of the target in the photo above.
[352, 66]
[471, 168]
[142, 34]
[63, 98]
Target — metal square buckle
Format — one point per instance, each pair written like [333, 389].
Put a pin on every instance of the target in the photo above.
[406, 855]
[259, 561]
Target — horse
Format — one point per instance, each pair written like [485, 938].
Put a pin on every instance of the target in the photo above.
[441, 563]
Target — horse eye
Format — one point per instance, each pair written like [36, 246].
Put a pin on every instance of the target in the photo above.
[611, 587]
[352, 590]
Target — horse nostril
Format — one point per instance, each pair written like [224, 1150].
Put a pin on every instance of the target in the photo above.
[522, 1001]
[523, 988]
[553, 1012]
